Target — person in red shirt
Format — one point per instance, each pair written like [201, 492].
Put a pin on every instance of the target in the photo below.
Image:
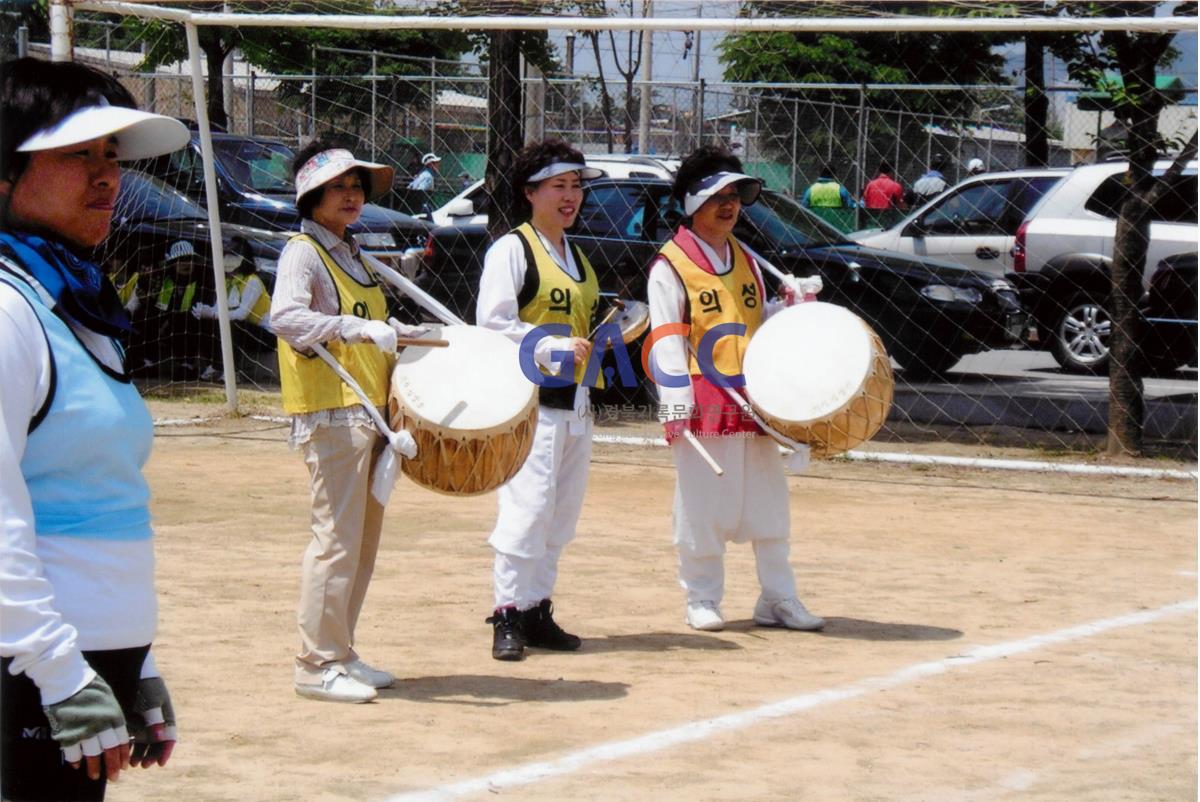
[883, 192]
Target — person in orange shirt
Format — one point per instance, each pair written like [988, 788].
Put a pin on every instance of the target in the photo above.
[883, 191]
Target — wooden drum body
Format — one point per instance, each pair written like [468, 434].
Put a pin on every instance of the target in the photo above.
[469, 407]
[820, 375]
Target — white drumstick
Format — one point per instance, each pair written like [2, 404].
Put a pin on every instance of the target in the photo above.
[703, 452]
[389, 460]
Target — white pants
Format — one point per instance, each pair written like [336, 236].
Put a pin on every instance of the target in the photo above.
[748, 503]
[539, 508]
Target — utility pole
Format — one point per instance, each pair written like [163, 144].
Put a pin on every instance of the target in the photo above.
[644, 113]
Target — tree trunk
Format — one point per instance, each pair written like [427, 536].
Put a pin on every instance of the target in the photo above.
[1037, 104]
[215, 54]
[504, 127]
[605, 98]
[1126, 402]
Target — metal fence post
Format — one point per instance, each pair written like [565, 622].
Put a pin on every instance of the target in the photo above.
[861, 148]
[250, 104]
[312, 120]
[22, 42]
[374, 102]
[795, 141]
[700, 116]
[433, 104]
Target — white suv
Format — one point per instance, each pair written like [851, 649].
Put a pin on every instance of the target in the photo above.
[1063, 252]
[470, 205]
[972, 223]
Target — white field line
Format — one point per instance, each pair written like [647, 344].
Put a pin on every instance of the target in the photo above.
[962, 462]
[693, 731]
[861, 456]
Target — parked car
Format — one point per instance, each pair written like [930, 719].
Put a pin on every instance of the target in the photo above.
[929, 314]
[149, 216]
[1063, 252]
[973, 224]
[469, 207]
[1168, 315]
[255, 188]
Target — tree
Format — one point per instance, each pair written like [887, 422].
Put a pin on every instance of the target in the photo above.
[1136, 104]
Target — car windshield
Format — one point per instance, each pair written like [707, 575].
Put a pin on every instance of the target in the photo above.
[257, 166]
[788, 224]
[144, 198]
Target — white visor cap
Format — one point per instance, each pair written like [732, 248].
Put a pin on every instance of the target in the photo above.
[329, 164]
[558, 168]
[710, 185]
[140, 134]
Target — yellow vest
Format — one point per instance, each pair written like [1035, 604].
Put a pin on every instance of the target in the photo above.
[307, 383]
[262, 306]
[549, 295]
[126, 290]
[735, 297]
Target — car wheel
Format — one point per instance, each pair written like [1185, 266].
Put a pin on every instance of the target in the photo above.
[926, 361]
[1080, 337]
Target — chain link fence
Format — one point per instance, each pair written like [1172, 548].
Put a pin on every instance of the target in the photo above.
[994, 355]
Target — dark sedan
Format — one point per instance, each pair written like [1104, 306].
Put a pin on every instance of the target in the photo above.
[929, 314]
[255, 188]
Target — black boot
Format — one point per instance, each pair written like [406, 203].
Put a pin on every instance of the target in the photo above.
[540, 630]
[508, 642]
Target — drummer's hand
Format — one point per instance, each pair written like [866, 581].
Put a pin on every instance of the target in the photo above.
[794, 289]
[380, 333]
[405, 443]
[405, 330]
[674, 429]
[582, 349]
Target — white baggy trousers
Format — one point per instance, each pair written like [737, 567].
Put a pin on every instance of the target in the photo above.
[539, 508]
[748, 503]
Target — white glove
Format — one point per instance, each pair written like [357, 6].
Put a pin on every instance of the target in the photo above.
[380, 333]
[404, 330]
[132, 304]
[203, 310]
[404, 443]
[797, 290]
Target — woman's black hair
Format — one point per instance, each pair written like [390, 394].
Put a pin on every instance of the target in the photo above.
[702, 162]
[39, 94]
[241, 246]
[529, 160]
[311, 148]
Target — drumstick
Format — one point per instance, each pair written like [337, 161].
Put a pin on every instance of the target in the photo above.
[612, 312]
[421, 297]
[418, 341]
[703, 452]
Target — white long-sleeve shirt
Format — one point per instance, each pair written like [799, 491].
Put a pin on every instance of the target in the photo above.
[668, 303]
[43, 643]
[500, 285]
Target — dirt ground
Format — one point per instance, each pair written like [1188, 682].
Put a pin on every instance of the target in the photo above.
[910, 566]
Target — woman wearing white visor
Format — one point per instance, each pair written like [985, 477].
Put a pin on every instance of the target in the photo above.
[327, 292]
[534, 277]
[78, 610]
[706, 278]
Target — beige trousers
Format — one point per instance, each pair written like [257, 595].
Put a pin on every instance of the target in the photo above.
[339, 560]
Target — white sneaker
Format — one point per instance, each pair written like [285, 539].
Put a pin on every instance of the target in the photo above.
[789, 613]
[334, 685]
[371, 677]
[704, 616]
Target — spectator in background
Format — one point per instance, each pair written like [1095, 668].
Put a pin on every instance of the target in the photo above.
[932, 183]
[249, 308]
[424, 181]
[975, 167]
[883, 192]
[465, 180]
[171, 324]
[827, 193]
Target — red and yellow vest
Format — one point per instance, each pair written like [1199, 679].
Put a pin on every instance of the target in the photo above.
[735, 297]
[307, 383]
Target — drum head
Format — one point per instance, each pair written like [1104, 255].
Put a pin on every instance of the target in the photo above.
[476, 383]
[807, 361]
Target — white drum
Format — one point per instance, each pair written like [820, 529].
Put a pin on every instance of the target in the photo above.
[820, 375]
[469, 407]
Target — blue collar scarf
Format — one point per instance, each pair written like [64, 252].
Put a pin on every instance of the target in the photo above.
[78, 285]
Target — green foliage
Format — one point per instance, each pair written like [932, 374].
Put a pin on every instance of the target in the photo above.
[927, 58]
